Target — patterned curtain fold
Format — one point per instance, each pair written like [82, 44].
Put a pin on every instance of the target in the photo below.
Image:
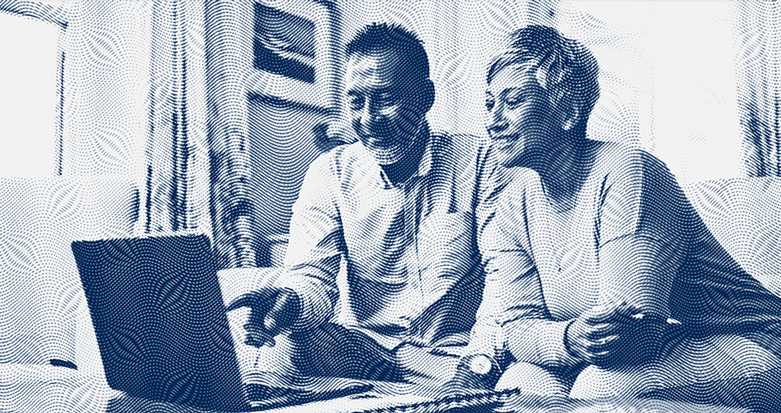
[758, 58]
[177, 155]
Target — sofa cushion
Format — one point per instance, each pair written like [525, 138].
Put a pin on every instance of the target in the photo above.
[42, 302]
[744, 214]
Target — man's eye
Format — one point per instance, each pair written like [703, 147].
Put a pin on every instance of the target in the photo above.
[513, 101]
[386, 100]
[356, 102]
[489, 105]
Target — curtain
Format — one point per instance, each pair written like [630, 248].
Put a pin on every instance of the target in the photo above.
[758, 58]
[229, 44]
[176, 188]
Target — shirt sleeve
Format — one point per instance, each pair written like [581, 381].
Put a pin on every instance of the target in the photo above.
[513, 316]
[643, 234]
[639, 197]
[316, 243]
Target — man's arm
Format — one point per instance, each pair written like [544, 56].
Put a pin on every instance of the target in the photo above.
[304, 296]
[316, 244]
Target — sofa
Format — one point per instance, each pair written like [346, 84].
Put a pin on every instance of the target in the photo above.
[43, 311]
[42, 304]
[744, 214]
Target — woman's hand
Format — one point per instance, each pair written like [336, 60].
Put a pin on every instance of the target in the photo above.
[615, 335]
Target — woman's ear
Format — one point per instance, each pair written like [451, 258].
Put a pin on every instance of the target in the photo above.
[571, 117]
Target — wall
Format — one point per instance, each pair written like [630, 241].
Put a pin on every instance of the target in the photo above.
[670, 76]
[107, 103]
[261, 127]
[107, 88]
[28, 95]
[669, 70]
[282, 147]
[668, 80]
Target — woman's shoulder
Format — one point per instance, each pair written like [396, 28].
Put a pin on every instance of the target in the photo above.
[622, 161]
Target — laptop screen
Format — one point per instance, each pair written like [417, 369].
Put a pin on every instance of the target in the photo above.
[160, 321]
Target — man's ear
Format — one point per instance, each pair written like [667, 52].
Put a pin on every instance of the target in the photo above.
[427, 95]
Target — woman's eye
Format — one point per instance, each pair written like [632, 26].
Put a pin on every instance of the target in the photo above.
[514, 99]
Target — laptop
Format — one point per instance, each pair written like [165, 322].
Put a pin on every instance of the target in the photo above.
[162, 329]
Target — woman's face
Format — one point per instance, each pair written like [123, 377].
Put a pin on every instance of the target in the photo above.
[522, 123]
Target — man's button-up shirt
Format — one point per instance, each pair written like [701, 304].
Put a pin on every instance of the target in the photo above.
[412, 270]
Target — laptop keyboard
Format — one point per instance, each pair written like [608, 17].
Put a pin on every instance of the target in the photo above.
[262, 396]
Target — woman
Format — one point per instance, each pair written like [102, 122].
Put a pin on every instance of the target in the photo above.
[601, 279]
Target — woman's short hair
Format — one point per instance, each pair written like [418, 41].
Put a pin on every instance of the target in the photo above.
[565, 68]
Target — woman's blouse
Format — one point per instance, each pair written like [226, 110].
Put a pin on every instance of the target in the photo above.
[542, 264]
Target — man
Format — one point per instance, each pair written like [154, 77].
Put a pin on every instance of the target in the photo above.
[397, 209]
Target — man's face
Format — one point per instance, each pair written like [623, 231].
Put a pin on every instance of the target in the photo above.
[522, 123]
[385, 109]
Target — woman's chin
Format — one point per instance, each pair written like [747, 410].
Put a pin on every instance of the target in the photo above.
[510, 159]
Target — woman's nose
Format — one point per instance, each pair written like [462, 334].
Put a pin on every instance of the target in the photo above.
[497, 122]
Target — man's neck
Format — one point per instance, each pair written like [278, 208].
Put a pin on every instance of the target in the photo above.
[401, 171]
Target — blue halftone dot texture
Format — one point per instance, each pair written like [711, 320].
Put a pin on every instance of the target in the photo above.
[160, 321]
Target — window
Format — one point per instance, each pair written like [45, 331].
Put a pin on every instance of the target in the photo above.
[29, 96]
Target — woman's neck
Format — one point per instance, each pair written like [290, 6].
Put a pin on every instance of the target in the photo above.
[565, 169]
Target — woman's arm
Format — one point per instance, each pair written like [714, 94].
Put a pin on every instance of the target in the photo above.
[513, 316]
[513, 323]
[638, 270]
[642, 241]
[642, 233]
[627, 327]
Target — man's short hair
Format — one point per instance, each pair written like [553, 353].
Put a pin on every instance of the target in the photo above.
[565, 68]
[391, 38]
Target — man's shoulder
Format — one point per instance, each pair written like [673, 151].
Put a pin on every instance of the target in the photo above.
[340, 161]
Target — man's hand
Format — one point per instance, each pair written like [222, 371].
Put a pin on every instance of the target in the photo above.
[272, 311]
[474, 374]
[610, 336]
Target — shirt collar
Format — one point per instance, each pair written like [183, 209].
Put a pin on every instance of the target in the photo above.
[425, 161]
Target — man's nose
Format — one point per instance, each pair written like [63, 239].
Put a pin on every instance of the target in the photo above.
[368, 115]
[497, 122]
